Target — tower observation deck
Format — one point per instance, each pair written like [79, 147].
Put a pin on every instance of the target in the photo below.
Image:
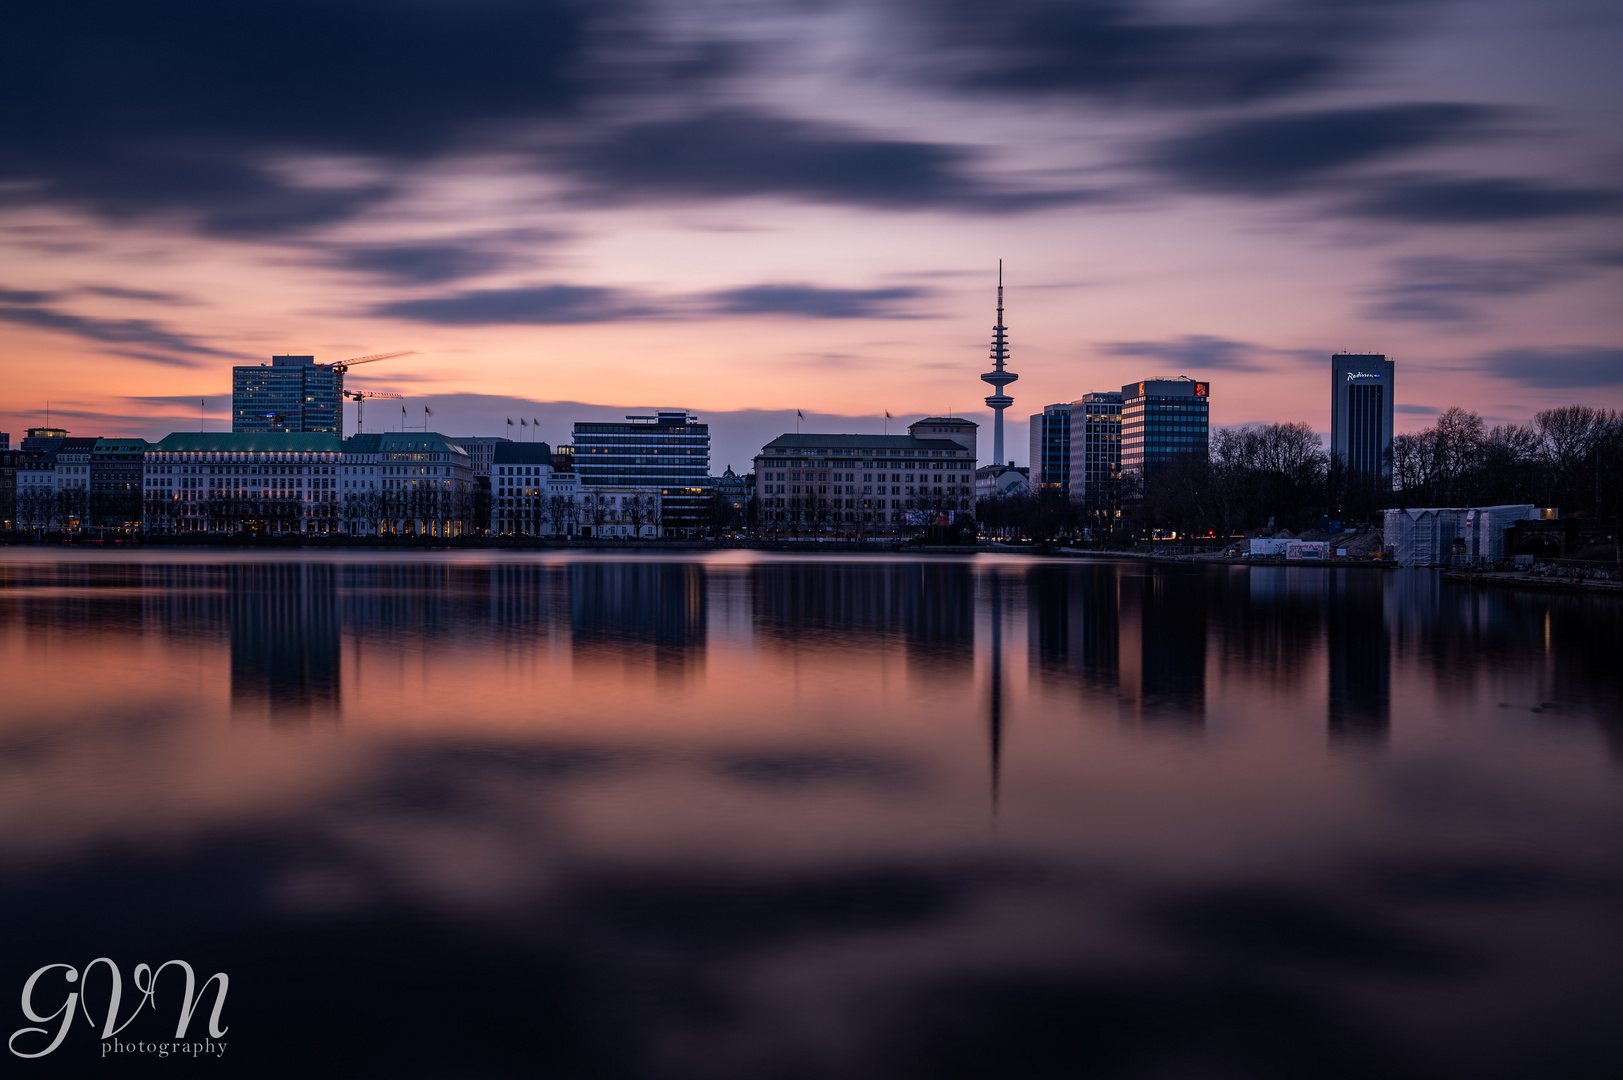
[998, 377]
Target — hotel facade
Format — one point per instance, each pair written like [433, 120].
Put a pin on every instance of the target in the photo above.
[867, 484]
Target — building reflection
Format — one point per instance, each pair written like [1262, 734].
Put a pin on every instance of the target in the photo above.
[284, 623]
[1171, 684]
[638, 613]
[936, 601]
[1271, 623]
[1360, 658]
[1073, 624]
[927, 609]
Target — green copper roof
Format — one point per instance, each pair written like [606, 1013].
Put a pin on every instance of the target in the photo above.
[255, 442]
[401, 442]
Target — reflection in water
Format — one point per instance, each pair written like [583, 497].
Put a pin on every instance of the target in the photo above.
[1172, 664]
[995, 588]
[727, 817]
[637, 611]
[284, 640]
[1360, 651]
[1073, 626]
[928, 609]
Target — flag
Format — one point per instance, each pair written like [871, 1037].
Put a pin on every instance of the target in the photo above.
[887, 415]
[523, 422]
[799, 415]
[535, 422]
[509, 421]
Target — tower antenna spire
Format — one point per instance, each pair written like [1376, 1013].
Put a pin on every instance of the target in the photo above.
[998, 376]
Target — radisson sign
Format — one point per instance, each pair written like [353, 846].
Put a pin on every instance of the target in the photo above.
[1353, 375]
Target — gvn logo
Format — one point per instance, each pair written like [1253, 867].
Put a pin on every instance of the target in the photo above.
[47, 985]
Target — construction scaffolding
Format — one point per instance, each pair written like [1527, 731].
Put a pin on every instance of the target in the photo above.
[1446, 536]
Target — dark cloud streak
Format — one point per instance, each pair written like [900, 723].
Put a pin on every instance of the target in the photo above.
[421, 264]
[1194, 352]
[174, 348]
[736, 154]
[809, 301]
[1447, 289]
[1568, 368]
[1125, 52]
[1479, 201]
[539, 305]
[179, 107]
[562, 305]
[1275, 155]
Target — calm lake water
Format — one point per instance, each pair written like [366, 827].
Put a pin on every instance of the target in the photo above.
[496, 815]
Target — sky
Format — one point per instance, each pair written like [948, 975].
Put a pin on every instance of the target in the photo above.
[576, 210]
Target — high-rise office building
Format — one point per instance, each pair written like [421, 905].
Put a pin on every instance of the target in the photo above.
[1361, 393]
[1095, 470]
[1160, 419]
[668, 453]
[290, 395]
[1051, 449]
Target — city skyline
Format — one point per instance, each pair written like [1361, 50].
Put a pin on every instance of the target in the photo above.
[756, 212]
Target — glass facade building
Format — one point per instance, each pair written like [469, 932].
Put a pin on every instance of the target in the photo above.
[668, 453]
[1361, 400]
[1096, 453]
[1051, 449]
[1160, 419]
[290, 395]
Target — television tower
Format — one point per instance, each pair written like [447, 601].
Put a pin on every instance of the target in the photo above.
[998, 377]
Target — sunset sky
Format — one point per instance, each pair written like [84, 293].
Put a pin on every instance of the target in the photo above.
[579, 209]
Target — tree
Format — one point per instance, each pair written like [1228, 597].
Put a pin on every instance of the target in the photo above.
[636, 511]
[718, 512]
[597, 511]
[1571, 436]
[1458, 437]
[1412, 468]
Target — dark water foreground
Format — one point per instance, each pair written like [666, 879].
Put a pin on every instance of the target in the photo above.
[496, 815]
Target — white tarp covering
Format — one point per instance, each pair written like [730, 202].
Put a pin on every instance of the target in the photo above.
[1485, 539]
[1433, 536]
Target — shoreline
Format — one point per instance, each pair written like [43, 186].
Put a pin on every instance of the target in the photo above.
[1501, 580]
[887, 546]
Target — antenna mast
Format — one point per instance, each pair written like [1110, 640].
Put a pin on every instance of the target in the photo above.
[998, 376]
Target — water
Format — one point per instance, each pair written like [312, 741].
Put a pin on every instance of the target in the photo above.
[746, 816]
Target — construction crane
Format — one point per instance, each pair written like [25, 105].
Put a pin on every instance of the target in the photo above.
[342, 366]
[359, 396]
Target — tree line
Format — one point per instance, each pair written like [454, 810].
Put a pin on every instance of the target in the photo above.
[1259, 475]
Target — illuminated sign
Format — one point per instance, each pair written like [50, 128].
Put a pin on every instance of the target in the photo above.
[1202, 389]
[1352, 375]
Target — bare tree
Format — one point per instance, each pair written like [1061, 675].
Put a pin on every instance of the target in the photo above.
[597, 511]
[636, 512]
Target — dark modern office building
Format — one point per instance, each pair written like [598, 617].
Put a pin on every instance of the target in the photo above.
[1051, 449]
[1160, 419]
[1361, 393]
[1095, 471]
[289, 395]
[668, 452]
